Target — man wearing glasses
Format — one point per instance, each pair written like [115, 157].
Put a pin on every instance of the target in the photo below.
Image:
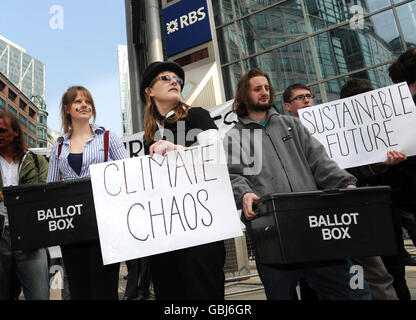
[297, 96]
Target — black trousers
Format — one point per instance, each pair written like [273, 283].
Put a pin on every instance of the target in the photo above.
[395, 264]
[138, 278]
[88, 278]
[195, 273]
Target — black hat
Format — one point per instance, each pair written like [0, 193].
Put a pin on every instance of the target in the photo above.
[154, 69]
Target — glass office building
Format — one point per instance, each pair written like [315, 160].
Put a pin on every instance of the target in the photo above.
[321, 43]
[28, 75]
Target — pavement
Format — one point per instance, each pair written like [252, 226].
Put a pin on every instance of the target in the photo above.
[249, 287]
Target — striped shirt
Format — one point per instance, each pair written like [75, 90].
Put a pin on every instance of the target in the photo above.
[93, 153]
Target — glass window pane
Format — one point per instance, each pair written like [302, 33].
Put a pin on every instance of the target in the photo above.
[32, 127]
[243, 7]
[378, 77]
[23, 120]
[2, 104]
[374, 5]
[278, 24]
[407, 18]
[344, 50]
[223, 12]
[227, 44]
[32, 142]
[12, 110]
[231, 75]
[324, 14]
[317, 94]
[286, 65]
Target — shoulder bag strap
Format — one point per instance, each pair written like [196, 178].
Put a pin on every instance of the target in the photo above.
[106, 139]
[59, 154]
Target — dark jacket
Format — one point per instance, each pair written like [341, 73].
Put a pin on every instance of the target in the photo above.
[184, 131]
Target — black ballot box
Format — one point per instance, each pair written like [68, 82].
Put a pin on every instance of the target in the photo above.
[323, 225]
[49, 214]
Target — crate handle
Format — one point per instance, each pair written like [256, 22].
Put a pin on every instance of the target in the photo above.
[257, 205]
[330, 192]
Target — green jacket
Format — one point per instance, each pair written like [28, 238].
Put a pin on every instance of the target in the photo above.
[29, 172]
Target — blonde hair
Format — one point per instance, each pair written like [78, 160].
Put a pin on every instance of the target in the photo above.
[66, 101]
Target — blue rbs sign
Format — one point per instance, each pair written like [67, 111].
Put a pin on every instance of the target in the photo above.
[186, 25]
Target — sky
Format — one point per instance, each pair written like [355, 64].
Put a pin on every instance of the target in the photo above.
[77, 41]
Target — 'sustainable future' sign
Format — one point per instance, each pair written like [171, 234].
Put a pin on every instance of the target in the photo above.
[359, 130]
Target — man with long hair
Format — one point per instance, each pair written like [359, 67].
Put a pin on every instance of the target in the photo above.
[19, 166]
[291, 161]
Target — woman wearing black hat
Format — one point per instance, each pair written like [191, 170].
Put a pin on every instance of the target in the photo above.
[195, 272]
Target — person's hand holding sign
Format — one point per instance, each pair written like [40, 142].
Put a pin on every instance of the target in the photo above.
[394, 157]
[163, 146]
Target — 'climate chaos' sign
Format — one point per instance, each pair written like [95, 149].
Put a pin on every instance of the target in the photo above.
[186, 25]
[149, 205]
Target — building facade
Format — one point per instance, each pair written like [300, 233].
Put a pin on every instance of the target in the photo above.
[14, 101]
[28, 75]
[321, 43]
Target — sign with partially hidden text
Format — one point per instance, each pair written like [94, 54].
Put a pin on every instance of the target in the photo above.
[149, 205]
[222, 114]
[359, 130]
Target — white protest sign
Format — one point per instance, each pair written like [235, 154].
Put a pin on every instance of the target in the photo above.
[134, 144]
[359, 130]
[146, 206]
[222, 115]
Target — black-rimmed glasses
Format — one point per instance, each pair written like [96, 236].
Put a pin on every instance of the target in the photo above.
[301, 97]
[169, 79]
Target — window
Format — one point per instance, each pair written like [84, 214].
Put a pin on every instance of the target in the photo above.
[41, 133]
[2, 85]
[12, 96]
[300, 66]
[12, 110]
[32, 113]
[2, 104]
[261, 23]
[292, 26]
[32, 127]
[23, 120]
[276, 23]
[42, 119]
[32, 142]
[285, 64]
[22, 104]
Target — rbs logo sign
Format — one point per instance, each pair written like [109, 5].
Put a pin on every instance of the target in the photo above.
[186, 20]
[186, 25]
